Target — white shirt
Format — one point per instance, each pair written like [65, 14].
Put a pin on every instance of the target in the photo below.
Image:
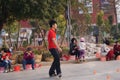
[82, 45]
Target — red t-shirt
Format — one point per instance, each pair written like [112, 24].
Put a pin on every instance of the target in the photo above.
[6, 55]
[51, 35]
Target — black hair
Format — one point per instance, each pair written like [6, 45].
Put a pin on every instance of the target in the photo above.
[73, 39]
[52, 22]
[29, 49]
[4, 49]
[116, 41]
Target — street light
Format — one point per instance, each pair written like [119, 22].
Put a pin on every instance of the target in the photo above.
[68, 20]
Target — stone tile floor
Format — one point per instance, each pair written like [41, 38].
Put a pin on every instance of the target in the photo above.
[95, 70]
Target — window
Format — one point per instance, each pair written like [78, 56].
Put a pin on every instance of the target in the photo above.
[106, 5]
[88, 4]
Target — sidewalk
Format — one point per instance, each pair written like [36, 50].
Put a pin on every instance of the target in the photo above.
[95, 70]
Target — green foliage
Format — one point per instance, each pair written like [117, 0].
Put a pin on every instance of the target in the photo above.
[65, 50]
[81, 22]
[112, 41]
[107, 26]
[110, 19]
[46, 54]
[61, 24]
[11, 27]
[25, 43]
[37, 51]
[100, 20]
[43, 10]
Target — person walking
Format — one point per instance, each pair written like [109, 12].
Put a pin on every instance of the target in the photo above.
[54, 50]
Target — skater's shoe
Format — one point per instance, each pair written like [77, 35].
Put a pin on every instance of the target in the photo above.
[53, 75]
[6, 71]
[59, 75]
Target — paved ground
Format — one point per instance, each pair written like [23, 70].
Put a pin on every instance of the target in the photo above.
[95, 70]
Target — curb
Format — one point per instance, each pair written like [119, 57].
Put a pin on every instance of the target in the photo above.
[70, 61]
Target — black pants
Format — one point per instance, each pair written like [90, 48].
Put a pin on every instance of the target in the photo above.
[77, 54]
[117, 54]
[56, 63]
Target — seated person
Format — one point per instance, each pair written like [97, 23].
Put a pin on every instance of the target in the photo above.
[116, 49]
[82, 48]
[74, 49]
[110, 55]
[28, 58]
[5, 60]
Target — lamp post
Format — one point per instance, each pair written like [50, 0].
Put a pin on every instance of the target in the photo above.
[68, 21]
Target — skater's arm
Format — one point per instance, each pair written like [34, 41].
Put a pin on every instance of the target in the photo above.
[55, 42]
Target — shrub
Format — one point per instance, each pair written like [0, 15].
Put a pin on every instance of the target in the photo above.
[39, 52]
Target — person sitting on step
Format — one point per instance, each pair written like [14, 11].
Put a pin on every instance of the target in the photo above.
[28, 58]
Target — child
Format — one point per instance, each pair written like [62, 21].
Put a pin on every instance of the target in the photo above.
[82, 48]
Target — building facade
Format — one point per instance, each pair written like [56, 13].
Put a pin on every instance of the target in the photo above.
[95, 6]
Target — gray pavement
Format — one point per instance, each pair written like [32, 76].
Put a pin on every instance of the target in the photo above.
[95, 70]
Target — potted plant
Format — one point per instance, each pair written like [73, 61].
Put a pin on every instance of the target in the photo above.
[38, 55]
[47, 56]
[20, 58]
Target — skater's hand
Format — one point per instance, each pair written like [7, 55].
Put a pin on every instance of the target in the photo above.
[28, 54]
[59, 49]
[73, 51]
[7, 58]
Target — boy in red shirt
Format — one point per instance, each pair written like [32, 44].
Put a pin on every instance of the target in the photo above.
[54, 49]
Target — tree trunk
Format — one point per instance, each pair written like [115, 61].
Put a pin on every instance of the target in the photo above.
[43, 36]
[17, 42]
[63, 38]
[1, 25]
[9, 37]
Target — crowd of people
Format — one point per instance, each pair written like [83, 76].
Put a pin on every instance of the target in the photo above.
[78, 49]
[81, 48]
[5, 59]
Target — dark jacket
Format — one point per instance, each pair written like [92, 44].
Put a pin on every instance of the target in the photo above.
[72, 47]
[1, 58]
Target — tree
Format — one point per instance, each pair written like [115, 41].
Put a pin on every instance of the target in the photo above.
[37, 10]
[30, 9]
[11, 28]
[100, 23]
[81, 21]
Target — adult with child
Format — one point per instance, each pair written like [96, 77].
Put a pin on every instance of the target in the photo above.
[5, 60]
[28, 58]
[74, 49]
